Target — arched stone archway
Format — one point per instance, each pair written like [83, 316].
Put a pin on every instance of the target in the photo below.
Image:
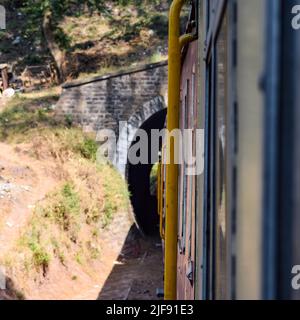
[138, 177]
[152, 115]
[122, 103]
[129, 129]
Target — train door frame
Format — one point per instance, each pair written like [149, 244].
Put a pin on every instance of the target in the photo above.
[214, 17]
[271, 152]
[281, 201]
[200, 219]
[186, 262]
[288, 180]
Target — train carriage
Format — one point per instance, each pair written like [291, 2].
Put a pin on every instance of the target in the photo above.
[231, 231]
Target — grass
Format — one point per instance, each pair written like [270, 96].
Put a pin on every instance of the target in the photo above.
[25, 112]
[133, 35]
[70, 219]
[31, 116]
[115, 195]
[126, 22]
[133, 62]
[31, 240]
[88, 148]
[41, 257]
[63, 209]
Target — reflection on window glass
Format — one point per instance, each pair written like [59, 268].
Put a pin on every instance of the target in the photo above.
[183, 192]
[220, 136]
[191, 178]
[185, 182]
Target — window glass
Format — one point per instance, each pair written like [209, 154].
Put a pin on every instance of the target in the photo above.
[220, 152]
[184, 177]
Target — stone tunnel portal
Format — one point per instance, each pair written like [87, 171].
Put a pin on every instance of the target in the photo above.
[138, 176]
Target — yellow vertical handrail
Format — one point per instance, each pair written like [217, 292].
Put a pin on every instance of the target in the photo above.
[171, 224]
[176, 44]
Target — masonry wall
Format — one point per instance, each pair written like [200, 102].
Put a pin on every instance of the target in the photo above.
[100, 103]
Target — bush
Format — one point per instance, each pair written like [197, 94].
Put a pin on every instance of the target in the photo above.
[88, 149]
[69, 120]
[40, 257]
[67, 207]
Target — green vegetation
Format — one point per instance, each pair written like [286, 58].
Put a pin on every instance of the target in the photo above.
[153, 179]
[25, 112]
[83, 37]
[88, 148]
[64, 209]
[115, 195]
[147, 13]
[78, 38]
[35, 11]
[31, 116]
[40, 257]
[66, 225]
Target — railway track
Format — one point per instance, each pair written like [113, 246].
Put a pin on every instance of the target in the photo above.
[137, 272]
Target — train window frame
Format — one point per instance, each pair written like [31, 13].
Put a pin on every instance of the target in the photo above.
[181, 186]
[221, 156]
[193, 125]
[192, 109]
[184, 187]
[215, 23]
[281, 154]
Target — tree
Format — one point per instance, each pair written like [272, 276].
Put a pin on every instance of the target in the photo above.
[43, 18]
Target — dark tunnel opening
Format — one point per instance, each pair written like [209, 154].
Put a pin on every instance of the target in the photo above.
[138, 177]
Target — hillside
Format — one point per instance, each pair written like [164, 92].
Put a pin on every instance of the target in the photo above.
[94, 41]
[65, 222]
[58, 206]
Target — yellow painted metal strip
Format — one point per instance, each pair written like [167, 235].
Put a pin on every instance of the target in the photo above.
[172, 168]
[176, 43]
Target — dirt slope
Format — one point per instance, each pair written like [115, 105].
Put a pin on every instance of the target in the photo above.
[23, 182]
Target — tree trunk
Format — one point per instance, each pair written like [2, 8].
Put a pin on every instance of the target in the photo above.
[58, 54]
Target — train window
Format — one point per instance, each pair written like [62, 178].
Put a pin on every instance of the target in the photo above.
[186, 192]
[192, 178]
[210, 7]
[220, 164]
[181, 189]
[209, 205]
[183, 194]
[208, 14]
[183, 172]
[191, 184]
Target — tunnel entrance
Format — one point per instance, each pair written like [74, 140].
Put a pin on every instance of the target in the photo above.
[138, 176]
